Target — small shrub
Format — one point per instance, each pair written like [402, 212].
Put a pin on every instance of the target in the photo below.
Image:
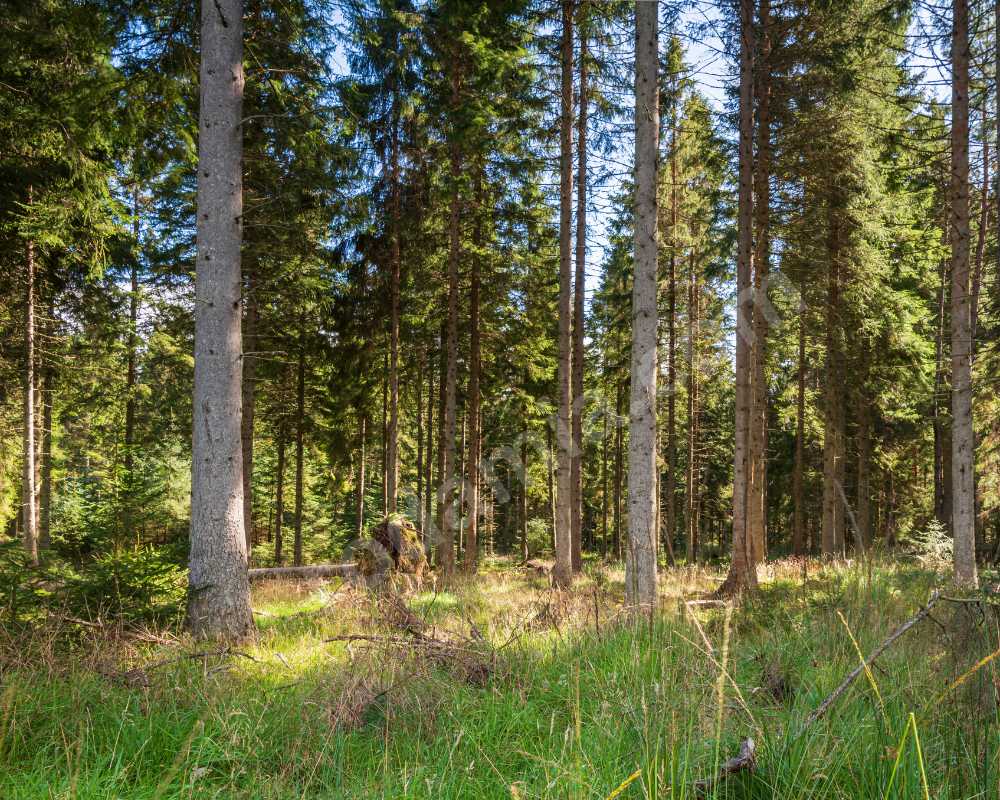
[134, 586]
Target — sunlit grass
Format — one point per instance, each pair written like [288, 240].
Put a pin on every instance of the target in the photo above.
[582, 702]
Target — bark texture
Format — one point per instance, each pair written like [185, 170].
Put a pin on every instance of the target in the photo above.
[640, 566]
[962, 438]
[579, 291]
[562, 573]
[219, 592]
[28, 517]
[742, 572]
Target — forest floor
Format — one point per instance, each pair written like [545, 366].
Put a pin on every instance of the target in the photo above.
[498, 687]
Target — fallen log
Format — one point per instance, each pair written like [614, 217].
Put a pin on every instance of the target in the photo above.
[304, 573]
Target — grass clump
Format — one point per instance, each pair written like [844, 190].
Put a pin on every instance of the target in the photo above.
[581, 700]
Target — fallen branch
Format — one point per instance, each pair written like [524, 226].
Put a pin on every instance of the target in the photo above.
[304, 573]
[852, 676]
[746, 760]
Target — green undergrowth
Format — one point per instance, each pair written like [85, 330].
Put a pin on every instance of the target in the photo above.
[579, 702]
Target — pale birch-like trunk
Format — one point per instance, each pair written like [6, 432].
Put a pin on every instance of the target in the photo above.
[963, 437]
[219, 592]
[640, 571]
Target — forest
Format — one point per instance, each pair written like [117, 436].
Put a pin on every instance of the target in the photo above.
[499, 398]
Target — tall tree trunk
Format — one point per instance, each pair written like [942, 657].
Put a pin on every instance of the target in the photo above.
[671, 490]
[640, 570]
[442, 383]
[833, 466]
[429, 482]
[562, 573]
[963, 438]
[392, 443]
[45, 492]
[550, 464]
[447, 491]
[984, 223]
[28, 518]
[475, 365]
[691, 496]
[579, 291]
[359, 499]
[742, 573]
[524, 494]
[385, 437]
[604, 483]
[619, 463]
[300, 415]
[420, 447]
[941, 423]
[798, 497]
[757, 484]
[864, 500]
[250, 319]
[131, 371]
[219, 592]
[279, 501]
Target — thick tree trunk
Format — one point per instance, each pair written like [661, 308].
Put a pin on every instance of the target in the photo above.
[963, 437]
[742, 572]
[28, 517]
[757, 484]
[279, 501]
[300, 416]
[219, 592]
[250, 319]
[798, 497]
[562, 573]
[579, 291]
[640, 570]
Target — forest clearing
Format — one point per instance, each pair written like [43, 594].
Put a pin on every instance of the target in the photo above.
[499, 398]
[543, 694]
